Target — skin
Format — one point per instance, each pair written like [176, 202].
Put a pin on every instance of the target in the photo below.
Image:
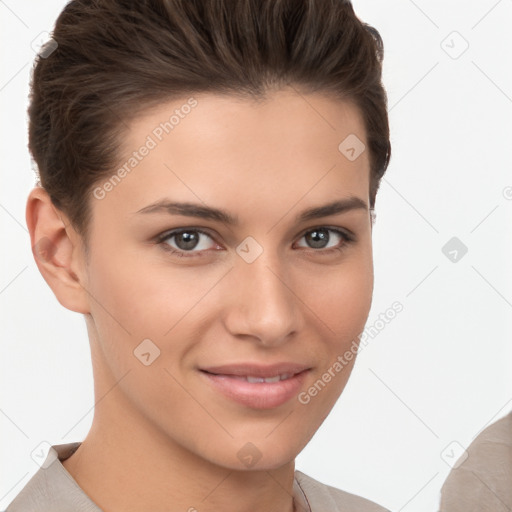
[163, 437]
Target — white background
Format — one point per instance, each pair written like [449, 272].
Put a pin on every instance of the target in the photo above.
[438, 373]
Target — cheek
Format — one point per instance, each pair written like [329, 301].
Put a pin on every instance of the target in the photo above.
[341, 297]
[341, 300]
[143, 298]
[135, 309]
[149, 309]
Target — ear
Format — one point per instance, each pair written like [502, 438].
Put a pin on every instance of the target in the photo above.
[57, 250]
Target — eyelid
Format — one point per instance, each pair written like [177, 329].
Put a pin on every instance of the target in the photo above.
[345, 231]
[206, 231]
[176, 231]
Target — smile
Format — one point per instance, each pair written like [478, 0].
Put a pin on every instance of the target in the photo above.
[257, 387]
[253, 379]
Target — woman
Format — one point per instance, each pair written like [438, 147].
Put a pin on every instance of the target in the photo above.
[208, 174]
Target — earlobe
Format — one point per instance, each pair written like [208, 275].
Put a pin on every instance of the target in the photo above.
[57, 251]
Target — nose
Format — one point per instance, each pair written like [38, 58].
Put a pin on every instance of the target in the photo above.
[263, 305]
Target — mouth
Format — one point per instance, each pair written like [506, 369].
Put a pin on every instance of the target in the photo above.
[257, 387]
[253, 379]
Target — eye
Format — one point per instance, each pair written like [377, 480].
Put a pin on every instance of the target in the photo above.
[319, 238]
[185, 240]
[192, 242]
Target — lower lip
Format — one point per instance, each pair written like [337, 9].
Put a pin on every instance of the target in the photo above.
[257, 395]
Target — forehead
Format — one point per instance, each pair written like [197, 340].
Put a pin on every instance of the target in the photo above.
[222, 148]
[216, 120]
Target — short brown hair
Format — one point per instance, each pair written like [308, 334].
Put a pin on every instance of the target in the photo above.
[115, 58]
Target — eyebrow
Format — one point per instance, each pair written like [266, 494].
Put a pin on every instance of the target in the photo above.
[211, 213]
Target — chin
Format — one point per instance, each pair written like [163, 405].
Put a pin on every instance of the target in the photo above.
[261, 455]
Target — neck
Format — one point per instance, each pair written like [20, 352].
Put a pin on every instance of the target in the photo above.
[126, 463]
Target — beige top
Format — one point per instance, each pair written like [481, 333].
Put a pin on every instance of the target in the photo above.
[53, 489]
[482, 482]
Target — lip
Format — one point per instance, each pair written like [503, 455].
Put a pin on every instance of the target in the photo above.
[256, 370]
[258, 395]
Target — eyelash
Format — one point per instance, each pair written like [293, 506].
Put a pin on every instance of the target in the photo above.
[163, 237]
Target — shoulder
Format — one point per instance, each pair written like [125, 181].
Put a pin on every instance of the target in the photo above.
[483, 474]
[325, 498]
[491, 447]
[51, 488]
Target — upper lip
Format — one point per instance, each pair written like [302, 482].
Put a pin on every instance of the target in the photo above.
[257, 370]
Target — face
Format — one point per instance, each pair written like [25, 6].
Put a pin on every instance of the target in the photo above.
[222, 319]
